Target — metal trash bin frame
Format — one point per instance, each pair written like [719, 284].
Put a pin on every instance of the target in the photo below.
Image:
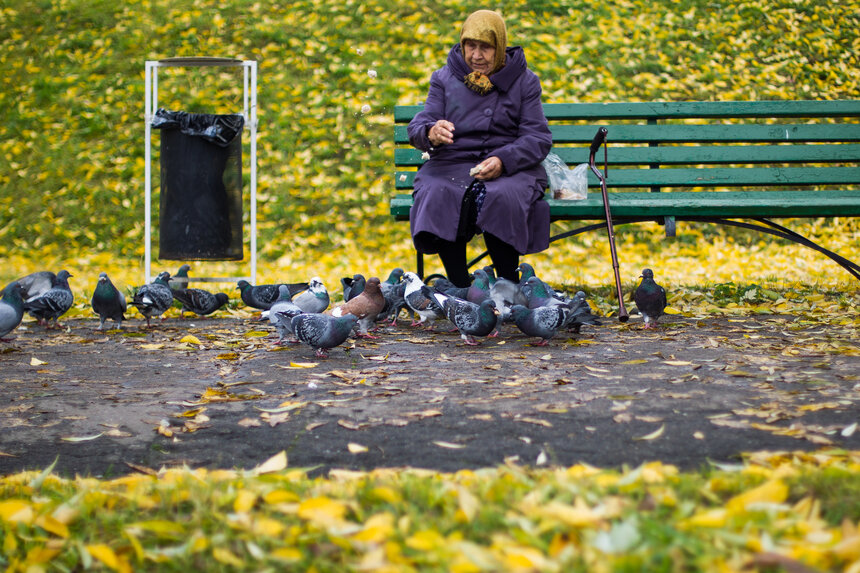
[249, 112]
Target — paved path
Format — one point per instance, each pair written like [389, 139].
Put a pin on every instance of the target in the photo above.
[692, 391]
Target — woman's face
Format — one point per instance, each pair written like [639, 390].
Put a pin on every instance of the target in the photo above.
[479, 56]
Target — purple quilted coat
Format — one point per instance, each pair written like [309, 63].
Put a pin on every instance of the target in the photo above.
[509, 123]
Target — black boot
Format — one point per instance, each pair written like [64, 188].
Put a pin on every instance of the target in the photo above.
[505, 258]
[453, 255]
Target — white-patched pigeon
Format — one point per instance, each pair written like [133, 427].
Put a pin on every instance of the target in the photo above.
[323, 332]
[425, 307]
[52, 304]
[199, 301]
[366, 306]
[11, 309]
[315, 299]
[650, 298]
[108, 302]
[470, 319]
[154, 298]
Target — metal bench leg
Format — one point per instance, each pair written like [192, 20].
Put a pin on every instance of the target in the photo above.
[669, 224]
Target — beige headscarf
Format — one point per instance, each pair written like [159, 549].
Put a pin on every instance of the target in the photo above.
[486, 26]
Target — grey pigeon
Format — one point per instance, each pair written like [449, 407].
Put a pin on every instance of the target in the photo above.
[445, 286]
[315, 299]
[427, 308]
[179, 281]
[323, 332]
[527, 272]
[11, 309]
[352, 287]
[36, 284]
[579, 313]
[281, 314]
[261, 297]
[393, 289]
[53, 303]
[108, 302]
[650, 298]
[506, 294]
[366, 306]
[470, 319]
[542, 322]
[200, 302]
[154, 298]
[539, 294]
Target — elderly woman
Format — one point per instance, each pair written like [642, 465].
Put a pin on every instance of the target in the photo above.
[484, 128]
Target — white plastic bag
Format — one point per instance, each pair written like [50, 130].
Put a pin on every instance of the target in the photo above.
[563, 182]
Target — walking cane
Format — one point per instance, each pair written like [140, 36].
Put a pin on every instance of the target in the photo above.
[600, 139]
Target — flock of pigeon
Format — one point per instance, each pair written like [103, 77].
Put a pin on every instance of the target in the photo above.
[298, 310]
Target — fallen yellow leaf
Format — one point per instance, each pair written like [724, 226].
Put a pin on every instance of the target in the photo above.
[190, 339]
[356, 448]
[653, 435]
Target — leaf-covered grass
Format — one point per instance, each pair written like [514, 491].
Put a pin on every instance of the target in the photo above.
[782, 510]
[71, 138]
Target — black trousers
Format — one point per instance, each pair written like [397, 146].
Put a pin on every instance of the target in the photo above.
[505, 259]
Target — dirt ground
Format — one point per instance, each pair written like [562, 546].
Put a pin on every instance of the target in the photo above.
[217, 393]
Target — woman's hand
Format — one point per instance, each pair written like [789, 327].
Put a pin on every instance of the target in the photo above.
[441, 132]
[490, 168]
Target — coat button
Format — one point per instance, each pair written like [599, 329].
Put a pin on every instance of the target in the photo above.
[488, 112]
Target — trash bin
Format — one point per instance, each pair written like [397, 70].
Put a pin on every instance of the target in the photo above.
[200, 215]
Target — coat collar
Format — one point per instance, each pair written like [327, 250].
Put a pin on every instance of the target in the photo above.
[515, 65]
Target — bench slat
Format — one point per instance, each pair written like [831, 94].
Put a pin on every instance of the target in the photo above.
[789, 204]
[681, 110]
[710, 177]
[709, 133]
[687, 155]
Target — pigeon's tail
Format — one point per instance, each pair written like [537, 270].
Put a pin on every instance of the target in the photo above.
[579, 313]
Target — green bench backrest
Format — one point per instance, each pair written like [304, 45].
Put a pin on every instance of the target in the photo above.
[688, 145]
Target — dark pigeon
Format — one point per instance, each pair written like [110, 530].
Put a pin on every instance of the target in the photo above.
[352, 287]
[323, 332]
[650, 298]
[527, 272]
[445, 286]
[200, 302]
[425, 307]
[479, 290]
[470, 319]
[53, 303]
[11, 309]
[540, 294]
[315, 299]
[393, 289]
[154, 298]
[541, 322]
[261, 297]
[579, 313]
[108, 302]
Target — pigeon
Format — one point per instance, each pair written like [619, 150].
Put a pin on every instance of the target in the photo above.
[491, 274]
[200, 302]
[352, 287]
[393, 289]
[281, 314]
[108, 302]
[542, 322]
[154, 298]
[527, 272]
[480, 287]
[366, 306]
[53, 303]
[315, 299]
[506, 294]
[11, 309]
[425, 307]
[650, 298]
[539, 294]
[579, 313]
[261, 297]
[443, 285]
[179, 281]
[36, 284]
[323, 332]
[470, 319]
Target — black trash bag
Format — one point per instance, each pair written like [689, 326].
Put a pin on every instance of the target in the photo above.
[200, 216]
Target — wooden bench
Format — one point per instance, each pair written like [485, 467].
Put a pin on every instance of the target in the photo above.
[734, 163]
